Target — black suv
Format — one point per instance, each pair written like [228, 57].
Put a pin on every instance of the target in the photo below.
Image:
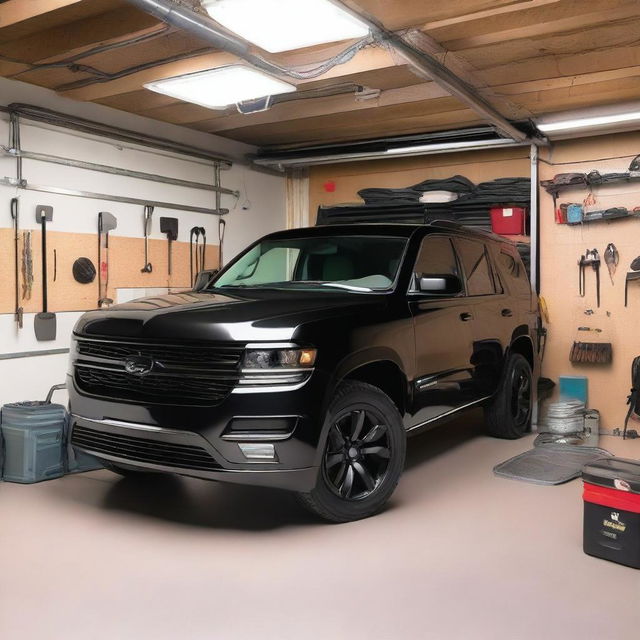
[307, 361]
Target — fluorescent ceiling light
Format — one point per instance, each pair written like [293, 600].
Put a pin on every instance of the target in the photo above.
[219, 88]
[283, 25]
[595, 121]
[450, 146]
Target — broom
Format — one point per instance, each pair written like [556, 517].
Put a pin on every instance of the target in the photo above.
[591, 352]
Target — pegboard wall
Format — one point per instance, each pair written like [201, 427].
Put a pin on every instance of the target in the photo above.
[126, 258]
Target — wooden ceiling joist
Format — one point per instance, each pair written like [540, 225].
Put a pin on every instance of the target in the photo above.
[16, 11]
[67, 40]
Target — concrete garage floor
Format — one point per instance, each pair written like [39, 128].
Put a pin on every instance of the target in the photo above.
[459, 554]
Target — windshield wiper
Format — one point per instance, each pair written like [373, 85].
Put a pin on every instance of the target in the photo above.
[348, 287]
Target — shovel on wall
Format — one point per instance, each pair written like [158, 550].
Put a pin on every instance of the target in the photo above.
[45, 321]
[169, 226]
[106, 222]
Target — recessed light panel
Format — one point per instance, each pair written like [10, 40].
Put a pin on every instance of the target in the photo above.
[219, 88]
[283, 25]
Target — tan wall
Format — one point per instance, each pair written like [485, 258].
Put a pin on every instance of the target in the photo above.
[402, 172]
[560, 249]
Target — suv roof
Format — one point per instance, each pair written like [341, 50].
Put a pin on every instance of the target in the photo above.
[401, 229]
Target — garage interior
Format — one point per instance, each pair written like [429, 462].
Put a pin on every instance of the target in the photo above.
[516, 110]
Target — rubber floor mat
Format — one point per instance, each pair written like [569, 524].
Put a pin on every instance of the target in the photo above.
[549, 464]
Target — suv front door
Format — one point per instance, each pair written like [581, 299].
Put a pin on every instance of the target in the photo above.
[443, 337]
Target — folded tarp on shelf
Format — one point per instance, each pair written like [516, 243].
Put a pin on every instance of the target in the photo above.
[500, 191]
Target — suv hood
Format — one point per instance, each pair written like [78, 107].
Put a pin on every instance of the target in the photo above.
[191, 316]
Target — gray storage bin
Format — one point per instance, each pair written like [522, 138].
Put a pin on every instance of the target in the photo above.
[33, 435]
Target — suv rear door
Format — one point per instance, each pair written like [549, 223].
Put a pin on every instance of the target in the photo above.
[494, 314]
[443, 336]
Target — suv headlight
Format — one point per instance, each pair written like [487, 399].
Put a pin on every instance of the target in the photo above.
[262, 359]
[275, 367]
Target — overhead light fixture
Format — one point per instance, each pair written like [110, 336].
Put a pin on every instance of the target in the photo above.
[451, 146]
[283, 25]
[593, 121]
[219, 88]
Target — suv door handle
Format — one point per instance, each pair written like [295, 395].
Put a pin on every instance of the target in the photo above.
[506, 313]
[465, 317]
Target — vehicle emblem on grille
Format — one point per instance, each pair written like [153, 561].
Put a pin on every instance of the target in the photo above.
[138, 365]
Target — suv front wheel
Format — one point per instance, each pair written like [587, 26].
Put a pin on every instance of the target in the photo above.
[508, 415]
[363, 455]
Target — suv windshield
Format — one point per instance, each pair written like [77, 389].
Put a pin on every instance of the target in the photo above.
[351, 263]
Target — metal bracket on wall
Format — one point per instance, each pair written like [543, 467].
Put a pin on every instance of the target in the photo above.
[10, 182]
[103, 168]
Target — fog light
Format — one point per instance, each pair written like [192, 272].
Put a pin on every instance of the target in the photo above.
[258, 451]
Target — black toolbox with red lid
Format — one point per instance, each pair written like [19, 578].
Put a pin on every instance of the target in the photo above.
[612, 510]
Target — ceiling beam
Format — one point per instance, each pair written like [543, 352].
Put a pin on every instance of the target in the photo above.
[73, 38]
[487, 13]
[313, 107]
[550, 25]
[134, 81]
[16, 11]
[364, 60]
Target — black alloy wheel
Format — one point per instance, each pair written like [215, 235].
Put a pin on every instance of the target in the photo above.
[357, 456]
[521, 398]
[362, 457]
[508, 413]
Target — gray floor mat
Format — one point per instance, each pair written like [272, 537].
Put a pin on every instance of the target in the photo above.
[549, 464]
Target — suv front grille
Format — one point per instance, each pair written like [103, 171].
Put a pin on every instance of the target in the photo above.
[143, 449]
[181, 374]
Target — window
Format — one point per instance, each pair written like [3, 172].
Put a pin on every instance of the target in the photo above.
[436, 257]
[476, 267]
[350, 263]
[515, 273]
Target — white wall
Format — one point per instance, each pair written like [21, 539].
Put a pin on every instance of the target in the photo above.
[264, 195]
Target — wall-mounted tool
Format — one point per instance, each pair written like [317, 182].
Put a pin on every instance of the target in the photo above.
[197, 251]
[19, 311]
[590, 259]
[45, 321]
[27, 266]
[591, 353]
[148, 216]
[632, 276]
[222, 227]
[106, 222]
[611, 259]
[84, 271]
[169, 226]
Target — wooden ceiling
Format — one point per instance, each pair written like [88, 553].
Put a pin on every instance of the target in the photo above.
[525, 57]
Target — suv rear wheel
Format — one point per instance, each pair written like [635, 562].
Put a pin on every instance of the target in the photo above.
[509, 413]
[363, 455]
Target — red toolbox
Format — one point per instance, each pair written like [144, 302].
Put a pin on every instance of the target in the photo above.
[508, 221]
[612, 510]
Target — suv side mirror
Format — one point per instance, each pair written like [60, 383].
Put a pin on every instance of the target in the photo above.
[444, 285]
[203, 278]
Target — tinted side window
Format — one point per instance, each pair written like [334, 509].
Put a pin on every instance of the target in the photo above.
[515, 273]
[473, 257]
[436, 257]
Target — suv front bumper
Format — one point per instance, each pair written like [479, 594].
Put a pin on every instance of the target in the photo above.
[194, 441]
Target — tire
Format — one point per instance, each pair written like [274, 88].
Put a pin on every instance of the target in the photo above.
[362, 458]
[509, 413]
